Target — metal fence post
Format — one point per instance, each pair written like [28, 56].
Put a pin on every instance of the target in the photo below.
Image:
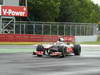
[95, 29]
[80, 30]
[75, 30]
[64, 29]
[14, 27]
[34, 28]
[57, 29]
[84, 30]
[42, 29]
[20, 28]
[70, 29]
[50, 29]
[24, 29]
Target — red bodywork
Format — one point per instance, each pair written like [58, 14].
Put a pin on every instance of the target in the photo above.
[38, 53]
[69, 50]
[55, 53]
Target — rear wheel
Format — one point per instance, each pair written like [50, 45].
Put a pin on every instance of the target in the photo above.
[77, 49]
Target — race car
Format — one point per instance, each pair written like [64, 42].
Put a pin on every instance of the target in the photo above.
[59, 49]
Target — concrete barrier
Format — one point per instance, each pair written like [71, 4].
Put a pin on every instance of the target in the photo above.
[85, 38]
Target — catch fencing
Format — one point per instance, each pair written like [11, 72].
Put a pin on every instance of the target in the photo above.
[52, 28]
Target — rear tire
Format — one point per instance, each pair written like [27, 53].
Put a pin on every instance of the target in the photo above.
[77, 50]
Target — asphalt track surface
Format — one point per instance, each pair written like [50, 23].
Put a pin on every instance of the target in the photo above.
[24, 63]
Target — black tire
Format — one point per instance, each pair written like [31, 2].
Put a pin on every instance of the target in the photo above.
[39, 55]
[77, 50]
[40, 48]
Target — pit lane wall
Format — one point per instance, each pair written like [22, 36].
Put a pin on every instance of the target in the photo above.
[33, 38]
[86, 38]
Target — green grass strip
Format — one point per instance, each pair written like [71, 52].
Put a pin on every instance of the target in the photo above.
[91, 43]
[15, 50]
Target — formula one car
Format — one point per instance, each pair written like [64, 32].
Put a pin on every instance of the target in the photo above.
[57, 50]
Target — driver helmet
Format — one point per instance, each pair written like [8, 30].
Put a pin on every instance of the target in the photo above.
[61, 39]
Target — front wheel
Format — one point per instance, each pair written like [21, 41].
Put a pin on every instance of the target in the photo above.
[40, 51]
[77, 49]
[39, 55]
[40, 48]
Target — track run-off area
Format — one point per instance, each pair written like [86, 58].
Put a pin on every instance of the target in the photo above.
[18, 60]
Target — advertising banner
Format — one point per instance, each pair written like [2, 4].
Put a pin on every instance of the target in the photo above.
[13, 11]
[33, 38]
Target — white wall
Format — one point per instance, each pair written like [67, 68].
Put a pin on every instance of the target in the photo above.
[85, 38]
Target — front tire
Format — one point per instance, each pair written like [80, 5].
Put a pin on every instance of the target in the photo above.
[40, 48]
[39, 55]
[77, 50]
